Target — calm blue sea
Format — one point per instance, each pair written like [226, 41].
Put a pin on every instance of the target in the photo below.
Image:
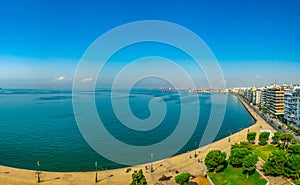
[40, 125]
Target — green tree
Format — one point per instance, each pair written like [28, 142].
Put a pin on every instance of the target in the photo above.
[249, 163]
[138, 178]
[183, 178]
[287, 139]
[275, 164]
[215, 160]
[264, 137]
[251, 136]
[294, 149]
[276, 137]
[292, 166]
[237, 156]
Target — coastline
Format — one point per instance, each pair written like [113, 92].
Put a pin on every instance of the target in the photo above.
[167, 167]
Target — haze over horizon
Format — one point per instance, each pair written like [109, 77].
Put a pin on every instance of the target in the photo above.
[255, 42]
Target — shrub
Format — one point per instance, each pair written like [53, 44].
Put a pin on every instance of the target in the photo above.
[138, 178]
[264, 137]
[182, 178]
[251, 136]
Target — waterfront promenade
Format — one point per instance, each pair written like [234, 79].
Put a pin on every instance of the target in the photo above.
[169, 167]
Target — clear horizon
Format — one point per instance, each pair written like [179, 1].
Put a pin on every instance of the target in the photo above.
[256, 43]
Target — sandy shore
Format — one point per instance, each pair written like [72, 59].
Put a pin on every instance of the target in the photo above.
[168, 167]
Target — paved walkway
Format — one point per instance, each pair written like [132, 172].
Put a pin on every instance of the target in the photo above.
[169, 167]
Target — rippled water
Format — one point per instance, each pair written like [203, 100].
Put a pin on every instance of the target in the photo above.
[40, 125]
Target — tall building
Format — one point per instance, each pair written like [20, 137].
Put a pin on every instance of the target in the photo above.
[288, 104]
[273, 99]
[296, 108]
[257, 97]
[292, 106]
[263, 99]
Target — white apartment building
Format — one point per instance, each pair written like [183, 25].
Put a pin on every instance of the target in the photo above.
[292, 106]
[257, 96]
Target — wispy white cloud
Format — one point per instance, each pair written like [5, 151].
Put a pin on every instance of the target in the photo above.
[61, 79]
[85, 80]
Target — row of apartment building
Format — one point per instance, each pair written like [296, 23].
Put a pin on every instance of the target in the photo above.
[276, 100]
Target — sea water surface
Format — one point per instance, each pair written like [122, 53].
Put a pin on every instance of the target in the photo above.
[39, 125]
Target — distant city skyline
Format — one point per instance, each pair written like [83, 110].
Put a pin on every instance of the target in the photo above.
[255, 42]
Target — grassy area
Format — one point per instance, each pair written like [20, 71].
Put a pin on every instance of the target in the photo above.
[296, 182]
[264, 151]
[235, 176]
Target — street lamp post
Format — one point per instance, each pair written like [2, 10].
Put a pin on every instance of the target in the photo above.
[38, 170]
[195, 149]
[151, 168]
[96, 166]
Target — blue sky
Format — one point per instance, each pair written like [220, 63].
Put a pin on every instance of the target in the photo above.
[255, 42]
